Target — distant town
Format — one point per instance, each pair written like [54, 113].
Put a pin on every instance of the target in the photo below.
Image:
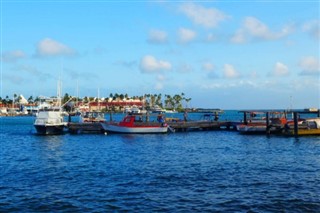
[18, 104]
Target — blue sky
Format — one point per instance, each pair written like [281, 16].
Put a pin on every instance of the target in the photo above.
[222, 54]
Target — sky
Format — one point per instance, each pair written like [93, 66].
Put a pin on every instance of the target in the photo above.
[222, 54]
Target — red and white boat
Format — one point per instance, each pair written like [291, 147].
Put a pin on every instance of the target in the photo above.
[134, 124]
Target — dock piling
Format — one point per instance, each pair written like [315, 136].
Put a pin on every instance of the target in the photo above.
[295, 121]
[267, 124]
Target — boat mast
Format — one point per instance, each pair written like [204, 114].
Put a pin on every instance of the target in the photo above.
[59, 86]
[99, 99]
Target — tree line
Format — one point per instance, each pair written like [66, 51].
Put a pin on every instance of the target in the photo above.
[170, 102]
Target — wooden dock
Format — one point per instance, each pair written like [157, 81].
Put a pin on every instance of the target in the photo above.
[209, 125]
[183, 126]
[78, 128]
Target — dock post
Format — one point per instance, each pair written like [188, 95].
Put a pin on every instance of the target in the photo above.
[295, 121]
[245, 118]
[267, 124]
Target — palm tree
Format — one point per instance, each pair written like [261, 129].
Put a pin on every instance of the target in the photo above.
[187, 101]
[152, 99]
[116, 96]
[85, 99]
[30, 99]
[168, 102]
[121, 96]
[159, 101]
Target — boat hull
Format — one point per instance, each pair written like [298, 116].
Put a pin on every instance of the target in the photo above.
[49, 130]
[256, 129]
[134, 130]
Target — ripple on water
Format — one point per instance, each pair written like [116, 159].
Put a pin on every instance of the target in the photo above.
[188, 172]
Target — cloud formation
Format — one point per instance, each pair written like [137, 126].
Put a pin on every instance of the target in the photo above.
[186, 35]
[253, 28]
[313, 28]
[32, 71]
[50, 47]
[199, 15]
[280, 70]
[157, 37]
[150, 64]
[207, 66]
[230, 72]
[13, 56]
[310, 66]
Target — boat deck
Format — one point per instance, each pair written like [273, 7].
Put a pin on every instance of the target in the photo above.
[200, 125]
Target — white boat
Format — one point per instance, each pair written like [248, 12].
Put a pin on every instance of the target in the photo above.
[92, 117]
[313, 109]
[157, 109]
[132, 109]
[50, 122]
[135, 124]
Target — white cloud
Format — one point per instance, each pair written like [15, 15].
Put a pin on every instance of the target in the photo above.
[207, 66]
[150, 64]
[32, 71]
[13, 56]
[206, 17]
[253, 28]
[186, 35]
[310, 66]
[158, 37]
[239, 37]
[280, 70]
[313, 28]
[49, 47]
[230, 72]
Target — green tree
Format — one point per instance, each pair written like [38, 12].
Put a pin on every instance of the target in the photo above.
[30, 99]
[187, 101]
[65, 98]
[121, 96]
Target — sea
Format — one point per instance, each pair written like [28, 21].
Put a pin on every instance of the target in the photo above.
[193, 171]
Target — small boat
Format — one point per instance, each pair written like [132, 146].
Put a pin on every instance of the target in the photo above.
[92, 117]
[157, 109]
[132, 109]
[310, 126]
[135, 124]
[312, 109]
[50, 122]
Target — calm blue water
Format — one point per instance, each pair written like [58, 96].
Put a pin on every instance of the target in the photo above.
[215, 171]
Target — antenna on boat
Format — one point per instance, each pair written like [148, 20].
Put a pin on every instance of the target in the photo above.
[59, 86]
[98, 99]
[77, 93]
